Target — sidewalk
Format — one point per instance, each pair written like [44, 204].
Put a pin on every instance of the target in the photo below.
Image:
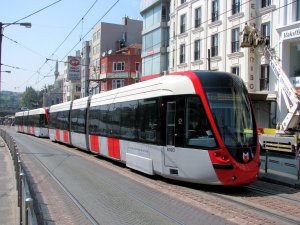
[274, 176]
[9, 210]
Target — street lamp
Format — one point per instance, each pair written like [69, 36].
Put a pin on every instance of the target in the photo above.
[2, 26]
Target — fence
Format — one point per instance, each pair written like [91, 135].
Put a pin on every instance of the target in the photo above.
[25, 201]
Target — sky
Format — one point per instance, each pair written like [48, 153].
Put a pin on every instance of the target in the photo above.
[25, 50]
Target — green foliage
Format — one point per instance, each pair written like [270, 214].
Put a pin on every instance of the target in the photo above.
[30, 99]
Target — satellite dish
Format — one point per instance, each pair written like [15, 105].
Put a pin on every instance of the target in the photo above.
[103, 54]
[109, 51]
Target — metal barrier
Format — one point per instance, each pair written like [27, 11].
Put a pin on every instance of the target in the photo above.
[25, 201]
[288, 164]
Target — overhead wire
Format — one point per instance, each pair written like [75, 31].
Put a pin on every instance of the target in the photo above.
[88, 32]
[64, 40]
[33, 13]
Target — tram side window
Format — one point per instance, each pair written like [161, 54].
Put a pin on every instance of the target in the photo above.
[52, 120]
[148, 129]
[74, 119]
[103, 120]
[93, 120]
[43, 121]
[66, 120]
[35, 120]
[199, 132]
[81, 122]
[115, 113]
[128, 121]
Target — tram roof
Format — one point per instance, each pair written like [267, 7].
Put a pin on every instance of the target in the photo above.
[163, 86]
[37, 111]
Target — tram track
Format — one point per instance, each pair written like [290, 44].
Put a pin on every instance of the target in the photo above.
[274, 194]
[281, 217]
[63, 149]
[202, 198]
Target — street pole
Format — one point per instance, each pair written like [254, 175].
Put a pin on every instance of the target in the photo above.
[1, 34]
[27, 25]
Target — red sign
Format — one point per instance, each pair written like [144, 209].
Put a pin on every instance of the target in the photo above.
[150, 52]
[74, 62]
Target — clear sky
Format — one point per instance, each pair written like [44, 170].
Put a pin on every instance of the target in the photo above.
[50, 27]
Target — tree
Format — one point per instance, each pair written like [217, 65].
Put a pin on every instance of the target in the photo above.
[30, 99]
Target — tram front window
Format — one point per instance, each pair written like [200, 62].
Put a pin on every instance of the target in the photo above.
[232, 114]
[199, 132]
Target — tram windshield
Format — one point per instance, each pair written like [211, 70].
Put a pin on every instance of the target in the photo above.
[232, 113]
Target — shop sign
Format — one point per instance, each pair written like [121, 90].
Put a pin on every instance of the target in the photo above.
[289, 34]
[117, 75]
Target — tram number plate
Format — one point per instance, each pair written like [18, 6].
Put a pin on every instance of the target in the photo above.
[170, 149]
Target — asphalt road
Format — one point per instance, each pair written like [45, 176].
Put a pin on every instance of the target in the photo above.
[74, 187]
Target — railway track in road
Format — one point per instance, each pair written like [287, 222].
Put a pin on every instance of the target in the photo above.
[263, 210]
[162, 214]
[255, 204]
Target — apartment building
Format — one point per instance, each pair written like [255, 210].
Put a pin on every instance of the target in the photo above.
[207, 35]
[111, 37]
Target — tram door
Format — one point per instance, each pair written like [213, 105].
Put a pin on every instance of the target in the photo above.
[173, 131]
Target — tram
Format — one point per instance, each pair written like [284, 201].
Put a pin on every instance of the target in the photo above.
[34, 122]
[194, 126]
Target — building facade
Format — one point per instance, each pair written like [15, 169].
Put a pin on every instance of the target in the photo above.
[155, 54]
[206, 35]
[85, 68]
[108, 37]
[121, 68]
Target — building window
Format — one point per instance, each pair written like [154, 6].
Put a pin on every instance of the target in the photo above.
[235, 70]
[235, 40]
[265, 31]
[182, 23]
[137, 66]
[103, 68]
[197, 47]
[214, 45]
[182, 1]
[265, 3]
[197, 17]
[182, 54]
[264, 77]
[117, 83]
[215, 11]
[236, 6]
[118, 66]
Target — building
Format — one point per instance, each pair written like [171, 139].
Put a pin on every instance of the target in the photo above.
[85, 70]
[155, 34]
[111, 37]
[121, 68]
[55, 95]
[206, 35]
